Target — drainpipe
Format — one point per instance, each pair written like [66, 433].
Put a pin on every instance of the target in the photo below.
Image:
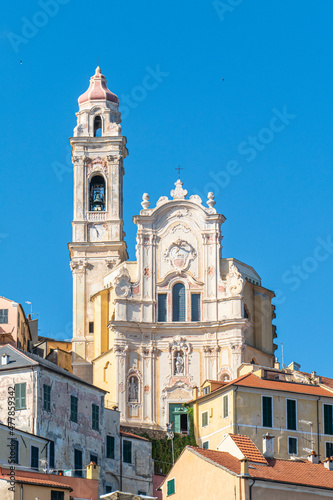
[34, 431]
[251, 488]
[21, 492]
[121, 463]
[318, 435]
[235, 411]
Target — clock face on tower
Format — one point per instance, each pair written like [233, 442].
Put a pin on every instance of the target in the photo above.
[96, 232]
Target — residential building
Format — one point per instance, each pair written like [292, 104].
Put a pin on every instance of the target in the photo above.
[148, 331]
[14, 325]
[285, 403]
[58, 352]
[137, 464]
[54, 404]
[241, 472]
[32, 488]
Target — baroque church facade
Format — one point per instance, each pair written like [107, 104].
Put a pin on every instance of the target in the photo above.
[149, 331]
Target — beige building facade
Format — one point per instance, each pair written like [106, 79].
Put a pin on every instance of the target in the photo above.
[296, 410]
[14, 325]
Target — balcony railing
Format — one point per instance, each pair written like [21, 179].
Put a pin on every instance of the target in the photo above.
[96, 216]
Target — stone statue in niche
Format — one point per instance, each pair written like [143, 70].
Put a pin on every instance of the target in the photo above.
[179, 364]
[133, 390]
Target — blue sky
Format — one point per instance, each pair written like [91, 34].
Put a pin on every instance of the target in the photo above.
[242, 101]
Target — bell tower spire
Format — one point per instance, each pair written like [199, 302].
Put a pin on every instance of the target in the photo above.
[98, 150]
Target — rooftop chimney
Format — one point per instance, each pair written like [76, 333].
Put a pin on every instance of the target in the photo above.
[328, 463]
[4, 359]
[92, 471]
[268, 445]
[244, 467]
[313, 458]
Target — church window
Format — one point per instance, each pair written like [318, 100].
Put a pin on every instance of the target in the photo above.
[178, 302]
[97, 194]
[267, 413]
[195, 307]
[91, 327]
[97, 126]
[162, 307]
[328, 419]
[133, 390]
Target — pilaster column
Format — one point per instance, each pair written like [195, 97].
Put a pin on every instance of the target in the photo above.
[120, 351]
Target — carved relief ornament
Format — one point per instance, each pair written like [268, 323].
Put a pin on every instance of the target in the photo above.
[179, 255]
[122, 284]
[235, 282]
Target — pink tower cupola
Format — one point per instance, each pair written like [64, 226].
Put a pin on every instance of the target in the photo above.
[98, 90]
[98, 110]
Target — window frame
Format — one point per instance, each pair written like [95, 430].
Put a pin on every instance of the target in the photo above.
[225, 408]
[130, 452]
[4, 316]
[262, 412]
[296, 439]
[51, 450]
[61, 495]
[78, 471]
[33, 447]
[20, 398]
[94, 418]
[46, 397]
[206, 417]
[110, 446]
[165, 296]
[207, 445]
[170, 482]
[328, 443]
[74, 399]
[327, 424]
[197, 294]
[287, 415]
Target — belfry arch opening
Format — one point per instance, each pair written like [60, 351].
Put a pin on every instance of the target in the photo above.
[98, 126]
[97, 194]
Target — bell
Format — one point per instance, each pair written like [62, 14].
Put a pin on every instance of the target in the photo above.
[98, 202]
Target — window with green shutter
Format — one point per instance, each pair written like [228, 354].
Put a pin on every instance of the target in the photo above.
[328, 419]
[329, 450]
[291, 415]
[95, 417]
[3, 315]
[292, 446]
[204, 419]
[78, 463]
[267, 416]
[74, 408]
[34, 457]
[225, 406]
[171, 487]
[47, 397]
[20, 396]
[178, 302]
[109, 447]
[51, 454]
[205, 445]
[127, 451]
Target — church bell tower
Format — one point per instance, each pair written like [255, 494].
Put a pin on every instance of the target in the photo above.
[98, 150]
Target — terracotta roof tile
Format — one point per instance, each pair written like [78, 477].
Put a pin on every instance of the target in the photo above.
[248, 448]
[253, 381]
[37, 481]
[286, 471]
[131, 435]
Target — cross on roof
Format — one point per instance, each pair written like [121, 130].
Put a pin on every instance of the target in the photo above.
[179, 168]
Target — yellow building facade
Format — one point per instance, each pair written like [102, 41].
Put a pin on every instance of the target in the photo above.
[297, 412]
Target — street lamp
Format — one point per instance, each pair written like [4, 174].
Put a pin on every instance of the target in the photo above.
[170, 435]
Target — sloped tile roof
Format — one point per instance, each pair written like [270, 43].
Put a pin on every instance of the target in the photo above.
[285, 471]
[134, 436]
[37, 482]
[248, 448]
[277, 385]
